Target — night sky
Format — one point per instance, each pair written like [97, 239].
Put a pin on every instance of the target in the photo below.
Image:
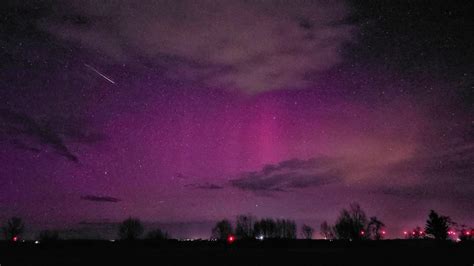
[194, 111]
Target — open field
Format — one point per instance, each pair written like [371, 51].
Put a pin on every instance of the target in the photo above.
[298, 252]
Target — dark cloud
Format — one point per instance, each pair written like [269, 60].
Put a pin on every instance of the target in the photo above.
[18, 125]
[100, 222]
[29, 133]
[441, 174]
[248, 45]
[100, 198]
[290, 174]
[431, 174]
[207, 186]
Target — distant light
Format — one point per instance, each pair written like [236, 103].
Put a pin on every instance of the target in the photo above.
[421, 232]
[405, 232]
[362, 232]
[15, 238]
[468, 233]
[260, 237]
[230, 239]
[413, 233]
[383, 232]
[37, 242]
[112, 240]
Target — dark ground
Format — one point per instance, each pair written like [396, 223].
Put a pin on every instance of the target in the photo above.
[298, 252]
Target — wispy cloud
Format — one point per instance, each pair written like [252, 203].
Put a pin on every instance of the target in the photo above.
[443, 173]
[429, 174]
[100, 198]
[19, 125]
[206, 186]
[26, 132]
[290, 174]
[248, 45]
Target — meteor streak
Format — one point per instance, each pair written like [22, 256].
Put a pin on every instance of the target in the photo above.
[102, 75]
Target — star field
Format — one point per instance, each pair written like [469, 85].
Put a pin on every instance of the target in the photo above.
[197, 111]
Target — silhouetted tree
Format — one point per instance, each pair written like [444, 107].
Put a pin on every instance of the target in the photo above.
[437, 226]
[13, 229]
[130, 229]
[48, 235]
[222, 230]
[244, 227]
[285, 229]
[307, 231]
[352, 224]
[269, 228]
[375, 227]
[265, 228]
[327, 231]
[157, 235]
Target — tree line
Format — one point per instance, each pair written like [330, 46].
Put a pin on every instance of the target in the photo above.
[248, 227]
[351, 224]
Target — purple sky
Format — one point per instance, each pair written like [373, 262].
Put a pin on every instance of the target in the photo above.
[196, 111]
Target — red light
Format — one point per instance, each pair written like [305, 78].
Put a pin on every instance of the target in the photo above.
[230, 239]
[468, 233]
[405, 232]
[362, 232]
[383, 232]
[413, 233]
[421, 232]
[15, 238]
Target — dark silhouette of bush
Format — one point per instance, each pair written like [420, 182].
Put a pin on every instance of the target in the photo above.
[13, 229]
[157, 235]
[374, 228]
[48, 235]
[352, 224]
[307, 231]
[130, 229]
[222, 230]
[327, 231]
[244, 227]
[437, 226]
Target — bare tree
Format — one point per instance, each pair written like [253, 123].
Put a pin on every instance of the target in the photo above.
[327, 231]
[244, 227]
[222, 230]
[375, 228]
[265, 228]
[285, 229]
[437, 226]
[13, 229]
[130, 229]
[307, 231]
[352, 224]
